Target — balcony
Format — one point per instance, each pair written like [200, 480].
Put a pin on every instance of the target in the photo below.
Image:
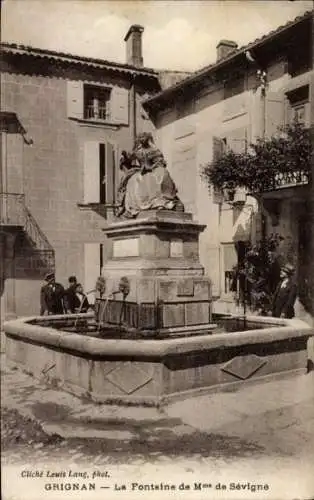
[97, 113]
[289, 185]
[15, 217]
[291, 179]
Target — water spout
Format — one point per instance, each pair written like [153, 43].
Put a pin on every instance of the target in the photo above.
[81, 305]
[101, 317]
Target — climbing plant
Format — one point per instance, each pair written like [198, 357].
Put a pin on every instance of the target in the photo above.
[259, 168]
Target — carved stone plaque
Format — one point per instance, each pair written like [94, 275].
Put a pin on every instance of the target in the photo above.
[176, 248]
[126, 247]
[129, 377]
[244, 367]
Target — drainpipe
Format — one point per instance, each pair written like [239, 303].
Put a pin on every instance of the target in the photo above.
[261, 76]
[263, 111]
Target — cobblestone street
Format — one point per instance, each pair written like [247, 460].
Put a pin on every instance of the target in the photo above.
[259, 433]
[21, 434]
[265, 428]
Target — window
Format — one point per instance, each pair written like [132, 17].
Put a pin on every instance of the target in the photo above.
[234, 87]
[99, 173]
[230, 260]
[299, 106]
[97, 103]
[299, 113]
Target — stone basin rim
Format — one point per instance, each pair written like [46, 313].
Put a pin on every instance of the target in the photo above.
[281, 329]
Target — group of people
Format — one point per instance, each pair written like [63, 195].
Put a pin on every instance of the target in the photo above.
[55, 299]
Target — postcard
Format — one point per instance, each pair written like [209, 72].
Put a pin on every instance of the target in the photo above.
[156, 257]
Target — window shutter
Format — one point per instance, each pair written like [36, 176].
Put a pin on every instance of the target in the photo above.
[75, 99]
[229, 256]
[110, 173]
[274, 113]
[91, 172]
[118, 172]
[120, 106]
[218, 150]
[237, 140]
[91, 267]
[212, 259]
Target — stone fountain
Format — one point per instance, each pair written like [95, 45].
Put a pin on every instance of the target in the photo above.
[152, 337]
[166, 292]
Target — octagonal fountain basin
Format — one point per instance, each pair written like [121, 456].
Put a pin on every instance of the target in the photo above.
[110, 365]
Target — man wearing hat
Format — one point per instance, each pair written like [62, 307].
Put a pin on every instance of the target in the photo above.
[51, 296]
[70, 295]
[285, 294]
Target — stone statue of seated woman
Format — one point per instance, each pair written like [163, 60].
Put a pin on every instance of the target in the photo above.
[146, 183]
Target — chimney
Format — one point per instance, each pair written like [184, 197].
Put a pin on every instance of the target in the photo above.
[133, 40]
[225, 48]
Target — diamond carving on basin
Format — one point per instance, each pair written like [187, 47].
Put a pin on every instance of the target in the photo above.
[128, 377]
[244, 367]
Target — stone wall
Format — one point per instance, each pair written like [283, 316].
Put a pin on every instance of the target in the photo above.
[237, 120]
[52, 177]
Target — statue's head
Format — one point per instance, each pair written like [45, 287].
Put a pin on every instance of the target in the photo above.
[125, 160]
[144, 140]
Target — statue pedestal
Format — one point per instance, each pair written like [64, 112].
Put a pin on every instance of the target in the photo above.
[158, 253]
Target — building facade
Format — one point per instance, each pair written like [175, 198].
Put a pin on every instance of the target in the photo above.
[64, 122]
[247, 93]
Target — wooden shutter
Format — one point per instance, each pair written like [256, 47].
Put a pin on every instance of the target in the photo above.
[118, 172]
[212, 266]
[236, 140]
[91, 172]
[218, 150]
[218, 147]
[110, 173]
[229, 256]
[75, 99]
[274, 113]
[91, 267]
[119, 105]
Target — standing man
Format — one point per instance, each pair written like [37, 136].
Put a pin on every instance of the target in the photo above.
[285, 294]
[70, 295]
[51, 296]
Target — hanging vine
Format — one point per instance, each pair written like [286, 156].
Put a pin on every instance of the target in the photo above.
[267, 161]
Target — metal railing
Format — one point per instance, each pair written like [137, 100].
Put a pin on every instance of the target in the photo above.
[34, 232]
[291, 179]
[96, 113]
[14, 212]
